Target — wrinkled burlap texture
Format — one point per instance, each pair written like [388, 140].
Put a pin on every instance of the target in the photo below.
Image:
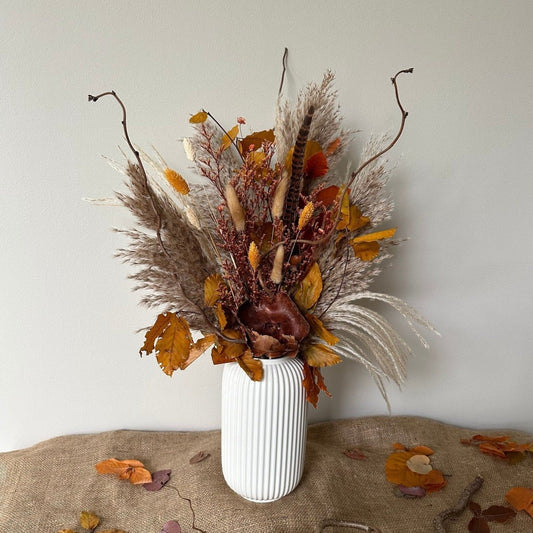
[44, 488]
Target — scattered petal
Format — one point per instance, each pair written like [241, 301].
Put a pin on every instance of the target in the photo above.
[159, 480]
[419, 464]
[498, 513]
[171, 527]
[415, 492]
[356, 454]
[199, 457]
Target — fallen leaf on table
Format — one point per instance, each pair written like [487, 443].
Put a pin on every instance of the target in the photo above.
[413, 492]
[199, 457]
[521, 498]
[159, 480]
[171, 527]
[66, 531]
[354, 453]
[500, 446]
[111, 531]
[88, 520]
[494, 513]
[128, 469]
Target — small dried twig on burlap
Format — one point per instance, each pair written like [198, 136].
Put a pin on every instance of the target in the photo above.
[344, 523]
[459, 507]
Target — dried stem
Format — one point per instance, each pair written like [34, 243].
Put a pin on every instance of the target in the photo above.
[284, 64]
[225, 133]
[459, 507]
[191, 507]
[344, 523]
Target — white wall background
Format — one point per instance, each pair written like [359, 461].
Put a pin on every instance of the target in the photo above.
[463, 190]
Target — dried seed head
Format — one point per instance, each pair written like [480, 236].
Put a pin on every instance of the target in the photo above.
[253, 255]
[235, 209]
[277, 268]
[189, 149]
[192, 218]
[278, 201]
[177, 181]
[305, 215]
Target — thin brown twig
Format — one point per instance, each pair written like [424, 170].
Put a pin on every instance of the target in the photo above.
[345, 523]
[190, 505]
[459, 507]
[284, 64]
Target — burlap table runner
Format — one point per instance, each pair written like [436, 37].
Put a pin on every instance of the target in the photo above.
[44, 488]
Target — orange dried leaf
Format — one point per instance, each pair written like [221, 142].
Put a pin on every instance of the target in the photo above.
[221, 316]
[521, 498]
[154, 332]
[88, 520]
[66, 531]
[309, 289]
[319, 355]
[356, 454]
[316, 166]
[313, 383]
[253, 367]
[399, 446]
[256, 140]
[177, 181]
[434, 481]
[226, 351]
[200, 117]
[229, 137]
[366, 251]
[128, 469]
[198, 348]
[486, 438]
[422, 450]
[212, 289]
[174, 345]
[320, 331]
[333, 146]
[492, 449]
[328, 195]
[375, 236]
[397, 471]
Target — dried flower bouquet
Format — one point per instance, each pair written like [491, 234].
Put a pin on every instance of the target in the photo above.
[274, 252]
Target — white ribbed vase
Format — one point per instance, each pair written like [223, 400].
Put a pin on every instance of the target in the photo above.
[264, 428]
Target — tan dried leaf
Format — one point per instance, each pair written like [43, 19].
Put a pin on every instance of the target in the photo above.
[228, 138]
[88, 520]
[198, 118]
[319, 355]
[309, 289]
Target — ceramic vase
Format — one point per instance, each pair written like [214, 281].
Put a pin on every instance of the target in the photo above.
[264, 428]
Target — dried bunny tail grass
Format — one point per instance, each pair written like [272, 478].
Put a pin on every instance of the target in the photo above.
[326, 126]
[368, 190]
[365, 336]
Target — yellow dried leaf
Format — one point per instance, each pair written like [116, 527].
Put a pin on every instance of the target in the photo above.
[174, 345]
[211, 289]
[309, 289]
[366, 251]
[221, 316]
[177, 181]
[229, 137]
[376, 236]
[320, 331]
[319, 355]
[88, 520]
[200, 117]
[66, 531]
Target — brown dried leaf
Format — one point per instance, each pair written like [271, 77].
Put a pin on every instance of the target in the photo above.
[199, 457]
[478, 525]
[486, 438]
[475, 508]
[492, 449]
[422, 450]
[253, 367]
[88, 520]
[226, 351]
[498, 513]
[66, 531]
[256, 139]
[111, 531]
[356, 454]
[153, 333]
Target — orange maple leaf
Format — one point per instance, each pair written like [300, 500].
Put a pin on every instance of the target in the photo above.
[130, 469]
